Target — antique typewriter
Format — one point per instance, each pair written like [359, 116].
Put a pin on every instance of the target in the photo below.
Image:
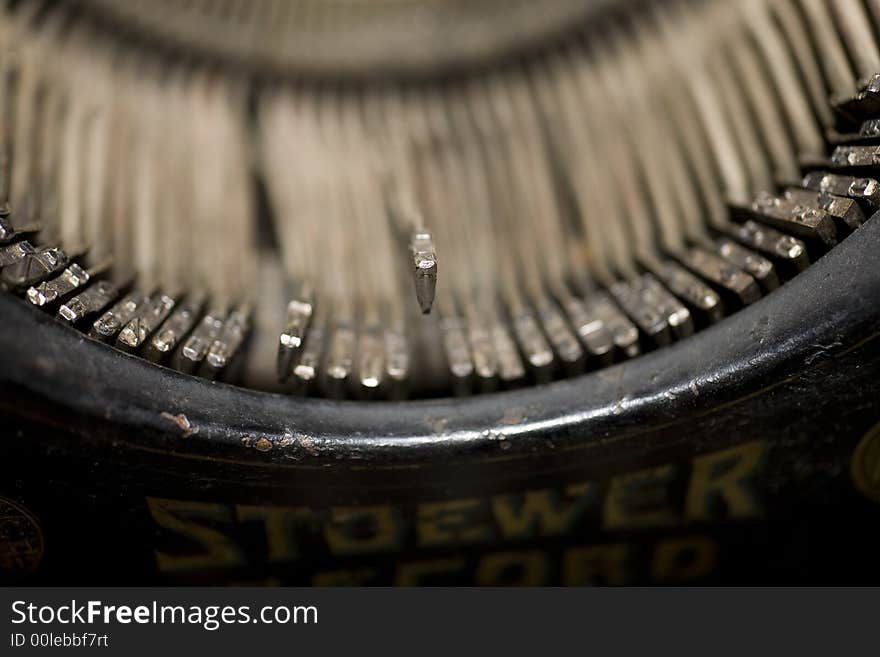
[439, 291]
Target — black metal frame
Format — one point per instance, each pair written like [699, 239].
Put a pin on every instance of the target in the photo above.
[833, 305]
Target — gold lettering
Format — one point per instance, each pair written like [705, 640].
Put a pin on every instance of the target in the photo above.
[724, 477]
[281, 523]
[541, 512]
[179, 517]
[596, 564]
[683, 559]
[457, 521]
[344, 577]
[640, 499]
[527, 568]
[359, 530]
[420, 572]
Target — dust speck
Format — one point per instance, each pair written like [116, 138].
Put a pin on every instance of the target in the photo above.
[513, 415]
[498, 436]
[437, 424]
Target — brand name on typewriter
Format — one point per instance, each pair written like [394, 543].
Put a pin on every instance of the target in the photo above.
[538, 529]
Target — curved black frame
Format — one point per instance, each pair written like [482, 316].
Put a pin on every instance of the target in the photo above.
[830, 308]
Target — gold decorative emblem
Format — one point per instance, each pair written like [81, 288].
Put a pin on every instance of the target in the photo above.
[21, 541]
[865, 465]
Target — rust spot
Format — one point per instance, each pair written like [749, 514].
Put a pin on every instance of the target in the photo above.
[263, 445]
[182, 422]
[307, 444]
